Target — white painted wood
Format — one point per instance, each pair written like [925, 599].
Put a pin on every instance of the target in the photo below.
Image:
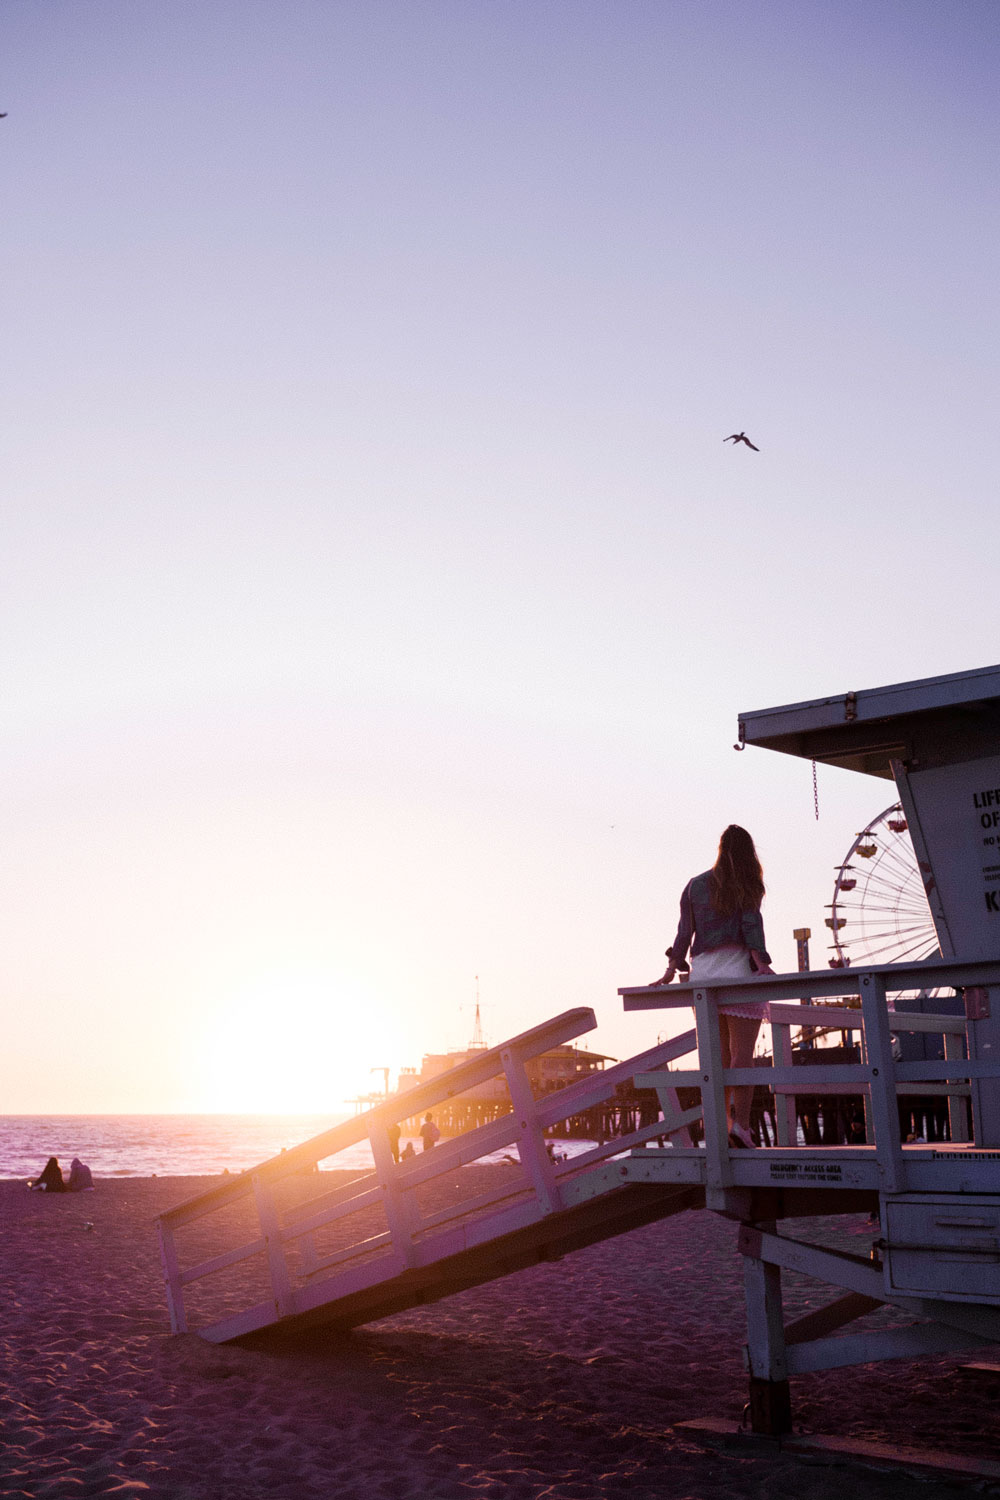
[401, 1213]
[329, 1214]
[172, 1280]
[597, 1087]
[281, 1285]
[530, 1141]
[958, 1121]
[928, 974]
[341, 1257]
[887, 1343]
[785, 1115]
[882, 1093]
[519, 1188]
[811, 1260]
[713, 1097]
[222, 1262]
[765, 1353]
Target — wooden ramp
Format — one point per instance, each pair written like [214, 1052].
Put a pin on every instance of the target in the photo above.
[277, 1250]
[286, 1248]
[552, 1237]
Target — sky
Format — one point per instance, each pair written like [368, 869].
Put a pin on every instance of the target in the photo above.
[378, 597]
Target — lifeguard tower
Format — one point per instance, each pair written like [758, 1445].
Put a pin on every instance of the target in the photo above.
[274, 1250]
[938, 1251]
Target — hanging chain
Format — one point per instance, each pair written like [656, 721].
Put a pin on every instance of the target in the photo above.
[815, 792]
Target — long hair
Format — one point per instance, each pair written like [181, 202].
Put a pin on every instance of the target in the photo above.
[737, 879]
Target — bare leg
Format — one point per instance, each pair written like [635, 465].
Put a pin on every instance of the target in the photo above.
[738, 1037]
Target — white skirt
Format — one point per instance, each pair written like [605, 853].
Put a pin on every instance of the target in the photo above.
[728, 963]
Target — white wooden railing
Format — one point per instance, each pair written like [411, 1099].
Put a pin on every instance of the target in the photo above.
[285, 1236]
[877, 1077]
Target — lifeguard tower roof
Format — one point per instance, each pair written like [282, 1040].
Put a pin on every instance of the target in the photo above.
[936, 721]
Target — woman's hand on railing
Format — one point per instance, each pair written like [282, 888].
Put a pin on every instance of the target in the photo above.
[760, 963]
[665, 977]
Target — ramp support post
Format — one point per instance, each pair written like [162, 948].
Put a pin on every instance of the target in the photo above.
[281, 1282]
[530, 1140]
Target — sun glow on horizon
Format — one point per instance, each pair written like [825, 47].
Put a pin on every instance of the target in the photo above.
[289, 1041]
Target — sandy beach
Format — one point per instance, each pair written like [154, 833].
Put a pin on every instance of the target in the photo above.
[562, 1381]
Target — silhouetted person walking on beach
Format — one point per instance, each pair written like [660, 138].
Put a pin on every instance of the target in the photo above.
[429, 1132]
[721, 923]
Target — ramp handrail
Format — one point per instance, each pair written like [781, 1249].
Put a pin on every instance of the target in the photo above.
[411, 1236]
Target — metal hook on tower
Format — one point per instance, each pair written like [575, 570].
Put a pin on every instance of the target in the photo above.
[741, 745]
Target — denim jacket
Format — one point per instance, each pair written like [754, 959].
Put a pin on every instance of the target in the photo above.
[702, 923]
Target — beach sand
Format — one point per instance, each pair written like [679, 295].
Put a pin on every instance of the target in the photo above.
[565, 1380]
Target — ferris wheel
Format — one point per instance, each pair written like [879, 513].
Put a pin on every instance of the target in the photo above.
[879, 912]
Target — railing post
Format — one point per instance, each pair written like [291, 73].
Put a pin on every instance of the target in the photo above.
[958, 1109]
[785, 1118]
[400, 1208]
[281, 1283]
[882, 1085]
[530, 1142]
[715, 1117]
[983, 1032]
[172, 1279]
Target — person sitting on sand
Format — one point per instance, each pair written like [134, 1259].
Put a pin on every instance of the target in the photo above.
[51, 1179]
[81, 1179]
[408, 1152]
[721, 923]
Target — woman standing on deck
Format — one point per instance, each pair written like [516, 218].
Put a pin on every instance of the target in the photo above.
[721, 923]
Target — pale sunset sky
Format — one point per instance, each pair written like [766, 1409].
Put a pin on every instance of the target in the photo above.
[378, 595]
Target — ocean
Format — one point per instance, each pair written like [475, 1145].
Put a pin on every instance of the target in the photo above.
[171, 1145]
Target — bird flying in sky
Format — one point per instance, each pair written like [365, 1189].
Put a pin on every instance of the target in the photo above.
[741, 437]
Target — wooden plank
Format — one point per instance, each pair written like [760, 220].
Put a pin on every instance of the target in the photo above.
[953, 1067]
[621, 1143]
[484, 1140]
[281, 1286]
[807, 1080]
[713, 1099]
[882, 1094]
[887, 1343]
[518, 1189]
[958, 1115]
[457, 1080]
[530, 1141]
[766, 1357]
[401, 1213]
[340, 1257]
[785, 1117]
[930, 1089]
[221, 1262]
[330, 1213]
[827, 1320]
[929, 974]
[597, 1087]
[837, 1450]
[844, 1018]
[831, 1266]
[172, 1280]
[688, 1078]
